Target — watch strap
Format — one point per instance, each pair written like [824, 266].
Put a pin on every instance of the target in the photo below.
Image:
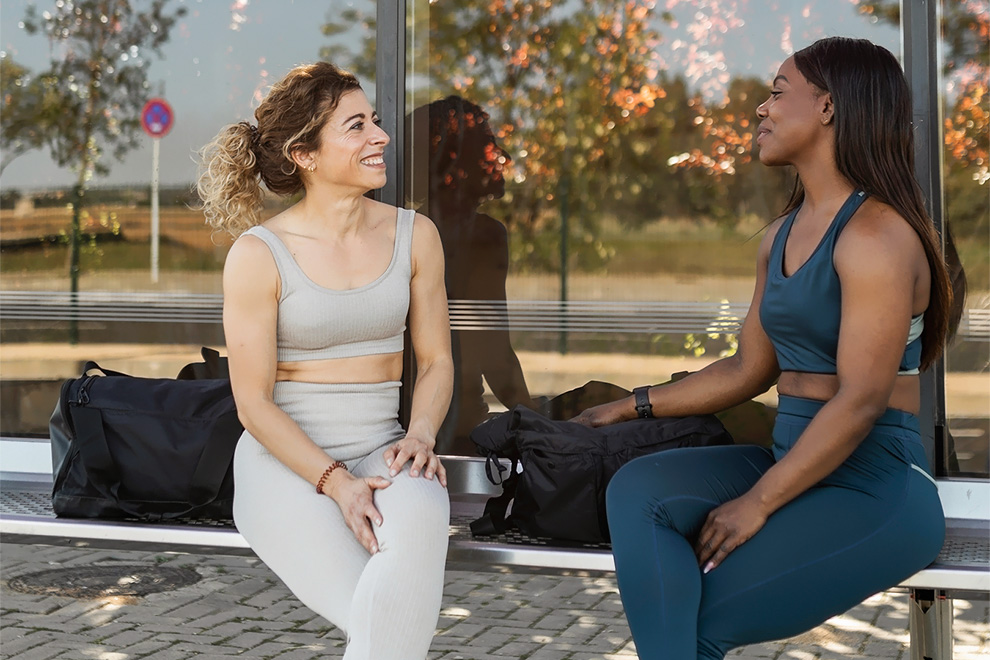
[644, 409]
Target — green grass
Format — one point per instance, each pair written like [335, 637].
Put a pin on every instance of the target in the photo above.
[646, 252]
[975, 258]
[684, 256]
[107, 255]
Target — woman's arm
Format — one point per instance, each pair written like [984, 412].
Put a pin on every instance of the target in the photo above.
[877, 259]
[722, 384]
[250, 312]
[429, 328]
[492, 349]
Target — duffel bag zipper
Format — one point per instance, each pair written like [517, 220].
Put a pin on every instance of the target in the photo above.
[82, 397]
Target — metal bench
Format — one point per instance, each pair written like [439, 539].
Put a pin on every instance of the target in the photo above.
[961, 570]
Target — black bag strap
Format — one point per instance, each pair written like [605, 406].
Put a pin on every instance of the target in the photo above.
[212, 367]
[90, 369]
[92, 443]
[493, 520]
[215, 459]
[101, 472]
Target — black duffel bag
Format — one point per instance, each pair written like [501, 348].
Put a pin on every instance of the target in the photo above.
[566, 466]
[145, 448]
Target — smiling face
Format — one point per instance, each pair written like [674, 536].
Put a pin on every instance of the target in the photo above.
[352, 146]
[796, 119]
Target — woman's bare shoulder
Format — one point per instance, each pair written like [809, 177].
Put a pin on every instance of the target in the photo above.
[426, 236]
[250, 263]
[878, 226]
[247, 247]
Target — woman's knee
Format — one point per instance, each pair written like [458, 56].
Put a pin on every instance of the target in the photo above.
[415, 506]
[632, 481]
[677, 488]
[638, 495]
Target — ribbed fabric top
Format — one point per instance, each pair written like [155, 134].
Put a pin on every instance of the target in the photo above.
[801, 313]
[317, 323]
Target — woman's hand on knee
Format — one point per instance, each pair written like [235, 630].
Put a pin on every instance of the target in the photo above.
[424, 460]
[355, 497]
[726, 528]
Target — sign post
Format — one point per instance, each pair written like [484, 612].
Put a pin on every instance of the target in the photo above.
[156, 119]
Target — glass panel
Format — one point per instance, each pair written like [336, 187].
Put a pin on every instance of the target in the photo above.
[966, 180]
[211, 62]
[590, 168]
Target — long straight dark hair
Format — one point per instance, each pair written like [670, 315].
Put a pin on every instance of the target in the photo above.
[874, 150]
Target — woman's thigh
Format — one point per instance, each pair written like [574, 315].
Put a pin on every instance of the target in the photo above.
[816, 557]
[300, 535]
[678, 488]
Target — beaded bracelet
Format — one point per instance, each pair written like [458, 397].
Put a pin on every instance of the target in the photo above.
[326, 475]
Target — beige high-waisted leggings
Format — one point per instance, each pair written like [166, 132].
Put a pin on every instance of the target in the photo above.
[387, 604]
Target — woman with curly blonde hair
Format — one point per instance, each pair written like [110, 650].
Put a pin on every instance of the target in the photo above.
[344, 505]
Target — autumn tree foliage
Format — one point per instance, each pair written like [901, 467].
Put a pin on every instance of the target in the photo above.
[563, 84]
[629, 109]
[965, 31]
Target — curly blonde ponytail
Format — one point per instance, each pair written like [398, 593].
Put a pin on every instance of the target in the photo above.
[229, 183]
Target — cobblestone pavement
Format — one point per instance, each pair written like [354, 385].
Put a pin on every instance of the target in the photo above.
[238, 608]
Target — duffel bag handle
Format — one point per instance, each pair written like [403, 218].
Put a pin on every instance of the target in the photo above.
[93, 369]
[95, 451]
[494, 520]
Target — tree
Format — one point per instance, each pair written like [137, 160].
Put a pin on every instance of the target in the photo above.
[98, 81]
[31, 110]
[965, 28]
[342, 24]
[562, 82]
[966, 70]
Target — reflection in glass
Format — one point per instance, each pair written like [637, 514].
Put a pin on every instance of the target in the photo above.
[632, 201]
[466, 168]
[966, 180]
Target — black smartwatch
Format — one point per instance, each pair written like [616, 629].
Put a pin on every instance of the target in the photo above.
[644, 409]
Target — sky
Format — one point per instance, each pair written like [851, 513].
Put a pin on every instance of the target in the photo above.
[224, 54]
[220, 58]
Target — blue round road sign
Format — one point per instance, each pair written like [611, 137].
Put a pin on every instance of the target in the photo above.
[156, 117]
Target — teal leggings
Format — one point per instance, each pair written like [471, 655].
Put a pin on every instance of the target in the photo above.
[872, 523]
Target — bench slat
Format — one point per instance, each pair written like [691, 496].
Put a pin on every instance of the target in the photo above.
[971, 574]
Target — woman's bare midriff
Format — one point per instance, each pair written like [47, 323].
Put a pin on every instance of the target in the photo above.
[360, 369]
[906, 395]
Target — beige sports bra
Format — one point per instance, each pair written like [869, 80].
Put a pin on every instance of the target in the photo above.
[317, 323]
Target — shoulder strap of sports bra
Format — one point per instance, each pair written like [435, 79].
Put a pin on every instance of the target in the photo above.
[849, 208]
[284, 261]
[404, 222]
[777, 249]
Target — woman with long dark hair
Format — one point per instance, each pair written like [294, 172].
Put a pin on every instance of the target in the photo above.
[727, 546]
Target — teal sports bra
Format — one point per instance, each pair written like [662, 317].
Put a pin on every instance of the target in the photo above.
[801, 314]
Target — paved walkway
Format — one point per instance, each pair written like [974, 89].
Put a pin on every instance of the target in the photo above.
[238, 608]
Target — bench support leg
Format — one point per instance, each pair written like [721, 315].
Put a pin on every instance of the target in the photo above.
[930, 624]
